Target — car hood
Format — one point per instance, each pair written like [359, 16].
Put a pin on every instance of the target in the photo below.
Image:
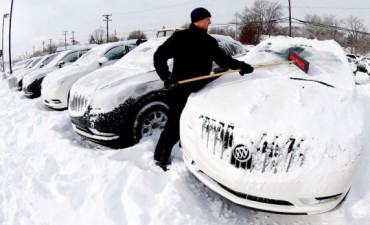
[106, 77]
[66, 73]
[107, 88]
[31, 77]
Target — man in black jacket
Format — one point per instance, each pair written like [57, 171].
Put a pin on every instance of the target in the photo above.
[193, 51]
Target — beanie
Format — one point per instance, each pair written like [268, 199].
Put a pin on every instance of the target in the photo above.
[199, 14]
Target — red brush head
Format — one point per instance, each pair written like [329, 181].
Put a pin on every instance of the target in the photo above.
[298, 61]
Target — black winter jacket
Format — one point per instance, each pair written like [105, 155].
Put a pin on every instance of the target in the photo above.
[193, 51]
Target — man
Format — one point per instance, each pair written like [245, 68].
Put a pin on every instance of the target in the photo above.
[193, 51]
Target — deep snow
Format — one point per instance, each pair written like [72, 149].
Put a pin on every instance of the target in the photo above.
[49, 175]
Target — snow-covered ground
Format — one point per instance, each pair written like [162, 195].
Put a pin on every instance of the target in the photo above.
[49, 175]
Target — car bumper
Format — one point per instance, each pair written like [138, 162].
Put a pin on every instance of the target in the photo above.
[54, 98]
[33, 90]
[266, 194]
[107, 129]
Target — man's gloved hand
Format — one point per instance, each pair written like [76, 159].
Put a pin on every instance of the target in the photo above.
[170, 83]
[245, 68]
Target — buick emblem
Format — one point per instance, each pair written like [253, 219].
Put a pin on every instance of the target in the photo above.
[241, 153]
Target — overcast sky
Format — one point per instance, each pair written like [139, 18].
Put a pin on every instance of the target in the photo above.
[35, 21]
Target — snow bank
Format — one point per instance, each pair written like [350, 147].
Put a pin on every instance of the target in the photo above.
[49, 175]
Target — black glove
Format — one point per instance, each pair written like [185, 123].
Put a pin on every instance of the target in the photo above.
[245, 68]
[170, 83]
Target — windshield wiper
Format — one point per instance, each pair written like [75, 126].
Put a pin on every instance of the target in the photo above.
[320, 82]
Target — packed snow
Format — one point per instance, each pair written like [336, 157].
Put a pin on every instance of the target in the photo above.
[50, 175]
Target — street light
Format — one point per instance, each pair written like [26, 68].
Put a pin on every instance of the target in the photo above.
[2, 43]
[10, 38]
[290, 20]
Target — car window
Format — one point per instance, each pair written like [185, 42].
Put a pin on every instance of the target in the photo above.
[47, 60]
[223, 48]
[71, 57]
[82, 52]
[34, 62]
[115, 53]
[235, 49]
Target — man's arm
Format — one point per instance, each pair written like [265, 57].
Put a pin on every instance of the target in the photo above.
[161, 56]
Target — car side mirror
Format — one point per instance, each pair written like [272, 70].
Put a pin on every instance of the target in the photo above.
[61, 63]
[42, 65]
[102, 60]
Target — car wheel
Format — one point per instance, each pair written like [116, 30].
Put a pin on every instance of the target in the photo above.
[150, 118]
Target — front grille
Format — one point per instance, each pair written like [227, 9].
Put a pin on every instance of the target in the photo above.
[263, 154]
[78, 103]
[256, 198]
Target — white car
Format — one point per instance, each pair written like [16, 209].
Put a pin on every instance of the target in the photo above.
[56, 86]
[43, 62]
[280, 140]
[32, 81]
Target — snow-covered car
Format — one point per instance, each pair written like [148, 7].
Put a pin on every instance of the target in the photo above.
[364, 65]
[119, 104]
[43, 62]
[280, 140]
[31, 84]
[56, 86]
[353, 57]
[12, 78]
[361, 78]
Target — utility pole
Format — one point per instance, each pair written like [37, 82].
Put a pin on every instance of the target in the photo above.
[290, 20]
[65, 39]
[43, 47]
[73, 38]
[236, 24]
[107, 19]
[50, 46]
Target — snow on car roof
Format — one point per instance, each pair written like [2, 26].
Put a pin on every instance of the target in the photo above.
[141, 56]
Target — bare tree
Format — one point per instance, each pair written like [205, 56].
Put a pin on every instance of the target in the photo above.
[136, 34]
[250, 34]
[356, 38]
[323, 28]
[97, 37]
[260, 18]
[227, 31]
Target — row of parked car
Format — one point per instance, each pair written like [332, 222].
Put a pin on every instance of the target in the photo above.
[284, 141]
[116, 105]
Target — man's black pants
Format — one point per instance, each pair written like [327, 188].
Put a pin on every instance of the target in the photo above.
[171, 131]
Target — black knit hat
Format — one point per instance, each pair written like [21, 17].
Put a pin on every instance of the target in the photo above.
[199, 14]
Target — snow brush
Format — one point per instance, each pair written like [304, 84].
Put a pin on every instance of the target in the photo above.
[293, 58]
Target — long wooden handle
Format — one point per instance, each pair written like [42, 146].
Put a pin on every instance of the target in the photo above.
[232, 71]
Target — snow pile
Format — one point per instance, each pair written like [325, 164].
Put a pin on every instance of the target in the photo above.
[50, 176]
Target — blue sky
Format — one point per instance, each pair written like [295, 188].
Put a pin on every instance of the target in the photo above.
[41, 20]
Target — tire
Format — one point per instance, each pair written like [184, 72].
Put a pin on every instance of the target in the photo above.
[151, 117]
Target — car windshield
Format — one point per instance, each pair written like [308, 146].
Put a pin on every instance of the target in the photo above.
[326, 65]
[35, 62]
[141, 56]
[49, 59]
[88, 57]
